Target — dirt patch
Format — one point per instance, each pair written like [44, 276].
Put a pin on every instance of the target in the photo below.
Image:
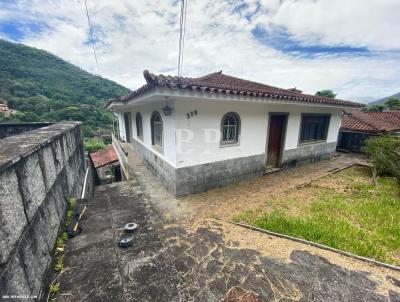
[232, 200]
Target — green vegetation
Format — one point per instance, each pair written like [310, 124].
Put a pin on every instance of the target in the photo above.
[94, 144]
[70, 210]
[43, 87]
[54, 288]
[345, 211]
[390, 104]
[59, 263]
[384, 151]
[326, 93]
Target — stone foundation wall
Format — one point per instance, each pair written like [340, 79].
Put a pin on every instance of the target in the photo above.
[39, 171]
[307, 154]
[157, 166]
[199, 178]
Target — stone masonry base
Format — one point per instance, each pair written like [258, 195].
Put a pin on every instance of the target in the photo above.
[200, 178]
[307, 154]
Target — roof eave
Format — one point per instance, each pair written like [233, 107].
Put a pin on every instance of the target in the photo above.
[188, 93]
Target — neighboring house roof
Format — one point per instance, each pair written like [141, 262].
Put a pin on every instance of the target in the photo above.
[371, 122]
[104, 157]
[219, 83]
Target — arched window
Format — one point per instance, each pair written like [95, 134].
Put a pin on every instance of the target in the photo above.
[230, 128]
[156, 129]
[139, 125]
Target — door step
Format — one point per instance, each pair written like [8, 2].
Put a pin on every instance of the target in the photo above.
[271, 170]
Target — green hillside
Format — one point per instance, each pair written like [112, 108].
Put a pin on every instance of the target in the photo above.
[381, 101]
[42, 87]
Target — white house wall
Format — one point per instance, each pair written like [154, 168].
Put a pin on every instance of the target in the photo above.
[188, 163]
[121, 126]
[253, 133]
[168, 152]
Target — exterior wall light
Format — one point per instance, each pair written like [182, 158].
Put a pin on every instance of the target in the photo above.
[167, 110]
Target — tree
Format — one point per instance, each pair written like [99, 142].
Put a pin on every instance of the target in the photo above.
[373, 108]
[384, 151]
[326, 93]
[392, 103]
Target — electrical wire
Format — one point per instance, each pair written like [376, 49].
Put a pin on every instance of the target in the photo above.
[182, 32]
[91, 37]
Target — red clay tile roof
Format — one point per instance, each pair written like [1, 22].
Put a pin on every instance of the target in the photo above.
[371, 122]
[104, 157]
[220, 83]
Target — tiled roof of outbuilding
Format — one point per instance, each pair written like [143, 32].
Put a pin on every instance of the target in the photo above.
[104, 157]
[371, 122]
[219, 83]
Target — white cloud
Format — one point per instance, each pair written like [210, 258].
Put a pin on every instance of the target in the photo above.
[359, 23]
[140, 34]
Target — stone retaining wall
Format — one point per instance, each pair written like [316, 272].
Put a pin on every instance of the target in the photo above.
[39, 171]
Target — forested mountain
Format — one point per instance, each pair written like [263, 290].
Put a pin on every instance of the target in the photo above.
[381, 101]
[40, 86]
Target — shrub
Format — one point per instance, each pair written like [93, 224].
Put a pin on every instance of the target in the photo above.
[94, 144]
[384, 151]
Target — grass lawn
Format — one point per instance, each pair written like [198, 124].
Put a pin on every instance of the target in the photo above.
[344, 210]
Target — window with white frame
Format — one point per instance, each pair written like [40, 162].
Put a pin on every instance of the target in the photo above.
[156, 129]
[139, 125]
[230, 128]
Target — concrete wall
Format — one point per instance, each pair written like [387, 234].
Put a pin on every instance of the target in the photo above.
[10, 129]
[39, 171]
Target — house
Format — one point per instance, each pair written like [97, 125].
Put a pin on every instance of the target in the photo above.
[199, 133]
[106, 165]
[357, 126]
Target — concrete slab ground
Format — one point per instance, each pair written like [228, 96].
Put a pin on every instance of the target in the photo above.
[180, 254]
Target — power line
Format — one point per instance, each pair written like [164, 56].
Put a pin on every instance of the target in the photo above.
[91, 37]
[182, 31]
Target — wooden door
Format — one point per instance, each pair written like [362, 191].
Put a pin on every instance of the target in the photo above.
[128, 126]
[277, 125]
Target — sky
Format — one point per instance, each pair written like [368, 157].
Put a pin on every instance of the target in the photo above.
[349, 46]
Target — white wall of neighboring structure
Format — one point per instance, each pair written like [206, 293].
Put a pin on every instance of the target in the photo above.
[195, 141]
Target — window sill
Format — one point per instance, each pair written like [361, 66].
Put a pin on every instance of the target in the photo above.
[311, 143]
[158, 148]
[226, 144]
